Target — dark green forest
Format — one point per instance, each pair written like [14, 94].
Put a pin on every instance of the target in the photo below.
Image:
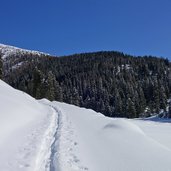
[113, 83]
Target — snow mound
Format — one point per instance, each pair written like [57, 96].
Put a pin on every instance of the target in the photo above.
[122, 125]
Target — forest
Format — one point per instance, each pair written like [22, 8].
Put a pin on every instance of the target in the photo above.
[113, 83]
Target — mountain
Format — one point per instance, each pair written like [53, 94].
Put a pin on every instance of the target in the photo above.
[9, 51]
[113, 83]
[14, 57]
[39, 135]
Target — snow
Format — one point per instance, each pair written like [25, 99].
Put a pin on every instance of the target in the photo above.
[14, 58]
[39, 135]
[17, 65]
[91, 141]
[7, 51]
[27, 130]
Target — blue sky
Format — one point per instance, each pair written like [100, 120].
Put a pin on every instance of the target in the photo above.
[62, 27]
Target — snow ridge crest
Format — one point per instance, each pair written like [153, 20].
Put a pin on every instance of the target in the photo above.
[7, 50]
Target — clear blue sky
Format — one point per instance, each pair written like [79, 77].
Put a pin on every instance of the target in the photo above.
[62, 27]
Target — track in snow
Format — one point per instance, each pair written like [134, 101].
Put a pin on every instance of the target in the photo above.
[87, 141]
[54, 164]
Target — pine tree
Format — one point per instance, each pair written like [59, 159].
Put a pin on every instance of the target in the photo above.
[58, 92]
[76, 97]
[131, 109]
[142, 102]
[37, 82]
[163, 98]
[169, 78]
[118, 105]
[1, 65]
[51, 82]
[156, 97]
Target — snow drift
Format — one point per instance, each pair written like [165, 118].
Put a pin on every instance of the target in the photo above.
[91, 141]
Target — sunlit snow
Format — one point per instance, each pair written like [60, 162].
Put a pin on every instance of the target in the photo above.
[52, 136]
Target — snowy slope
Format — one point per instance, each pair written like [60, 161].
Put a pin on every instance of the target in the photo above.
[52, 136]
[26, 131]
[15, 58]
[7, 51]
[91, 141]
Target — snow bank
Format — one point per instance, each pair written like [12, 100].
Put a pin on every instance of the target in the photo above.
[26, 131]
[52, 136]
[92, 142]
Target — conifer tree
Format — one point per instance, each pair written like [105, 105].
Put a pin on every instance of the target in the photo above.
[51, 82]
[37, 82]
[58, 92]
[131, 112]
[1, 65]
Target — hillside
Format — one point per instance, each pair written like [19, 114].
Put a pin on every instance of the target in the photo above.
[27, 128]
[53, 136]
[14, 58]
[8, 51]
[113, 83]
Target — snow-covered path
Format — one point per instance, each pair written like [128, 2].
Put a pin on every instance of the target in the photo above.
[54, 152]
[27, 130]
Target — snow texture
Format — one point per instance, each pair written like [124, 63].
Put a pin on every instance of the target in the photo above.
[52, 136]
[27, 130]
[91, 141]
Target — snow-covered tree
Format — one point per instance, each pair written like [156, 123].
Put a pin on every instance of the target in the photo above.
[0, 67]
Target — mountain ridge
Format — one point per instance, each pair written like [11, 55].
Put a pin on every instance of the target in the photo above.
[6, 46]
[8, 50]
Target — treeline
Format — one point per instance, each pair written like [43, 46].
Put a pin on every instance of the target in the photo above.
[112, 83]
